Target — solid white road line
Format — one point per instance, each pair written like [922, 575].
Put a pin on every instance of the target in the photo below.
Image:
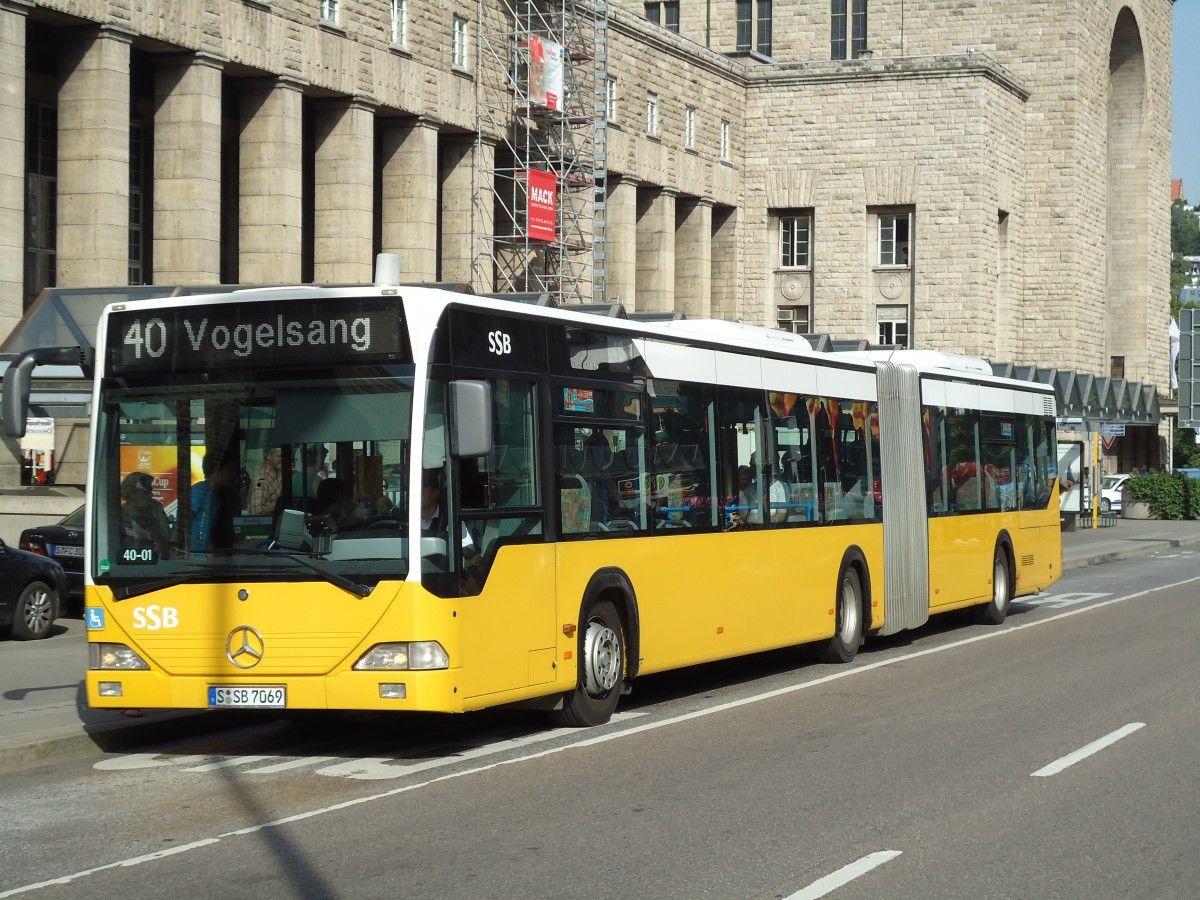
[844, 875]
[1084, 752]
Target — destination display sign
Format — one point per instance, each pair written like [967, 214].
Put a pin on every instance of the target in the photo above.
[351, 331]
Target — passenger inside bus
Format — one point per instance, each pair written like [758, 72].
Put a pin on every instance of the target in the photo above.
[146, 519]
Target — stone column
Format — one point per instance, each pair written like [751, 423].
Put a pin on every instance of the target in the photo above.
[656, 250]
[620, 242]
[187, 170]
[12, 163]
[457, 178]
[93, 160]
[724, 250]
[410, 197]
[693, 259]
[270, 208]
[344, 193]
[462, 223]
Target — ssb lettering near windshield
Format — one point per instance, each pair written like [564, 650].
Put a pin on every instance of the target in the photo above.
[189, 338]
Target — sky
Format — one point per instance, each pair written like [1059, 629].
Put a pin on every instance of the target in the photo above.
[1185, 98]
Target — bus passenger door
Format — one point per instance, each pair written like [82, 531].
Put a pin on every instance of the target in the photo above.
[507, 586]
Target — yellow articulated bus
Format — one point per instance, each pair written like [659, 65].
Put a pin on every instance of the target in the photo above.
[411, 498]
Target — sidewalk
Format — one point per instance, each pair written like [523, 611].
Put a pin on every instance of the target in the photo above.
[44, 712]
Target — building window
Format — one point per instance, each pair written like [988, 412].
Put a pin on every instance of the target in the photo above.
[795, 241]
[894, 239]
[610, 99]
[724, 148]
[689, 128]
[652, 114]
[848, 28]
[762, 39]
[41, 199]
[794, 319]
[663, 12]
[400, 23]
[329, 11]
[458, 42]
[1116, 367]
[753, 23]
[893, 325]
[745, 26]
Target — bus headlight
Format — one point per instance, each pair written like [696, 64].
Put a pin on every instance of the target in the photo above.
[408, 655]
[114, 656]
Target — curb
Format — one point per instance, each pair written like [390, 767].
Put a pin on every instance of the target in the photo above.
[1150, 546]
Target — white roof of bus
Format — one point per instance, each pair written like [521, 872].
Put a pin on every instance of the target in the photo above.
[925, 360]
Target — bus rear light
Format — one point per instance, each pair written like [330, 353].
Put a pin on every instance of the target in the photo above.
[114, 656]
[408, 655]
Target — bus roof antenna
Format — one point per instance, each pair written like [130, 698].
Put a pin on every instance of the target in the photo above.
[387, 269]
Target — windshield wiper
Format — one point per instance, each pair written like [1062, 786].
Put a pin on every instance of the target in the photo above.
[333, 578]
[149, 587]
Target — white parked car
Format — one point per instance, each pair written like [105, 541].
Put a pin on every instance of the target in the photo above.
[1110, 492]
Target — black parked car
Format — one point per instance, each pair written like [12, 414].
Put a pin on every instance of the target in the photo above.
[63, 543]
[32, 591]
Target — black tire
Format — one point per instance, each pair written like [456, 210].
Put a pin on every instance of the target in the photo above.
[1105, 504]
[843, 646]
[995, 610]
[601, 657]
[35, 613]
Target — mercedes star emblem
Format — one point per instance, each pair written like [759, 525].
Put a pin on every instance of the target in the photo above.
[244, 647]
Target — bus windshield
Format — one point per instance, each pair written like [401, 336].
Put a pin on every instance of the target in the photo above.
[267, 474]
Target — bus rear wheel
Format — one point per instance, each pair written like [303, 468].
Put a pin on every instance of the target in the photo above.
[601, 670]
[995, 610]
[843, 646]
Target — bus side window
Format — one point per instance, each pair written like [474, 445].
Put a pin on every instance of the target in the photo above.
[962, 463]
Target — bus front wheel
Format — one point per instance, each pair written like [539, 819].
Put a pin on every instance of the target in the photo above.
[843, 646]
[994, 611]
[601, 663]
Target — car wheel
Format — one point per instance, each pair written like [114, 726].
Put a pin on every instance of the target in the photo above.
[35, 612]
[1105, 504]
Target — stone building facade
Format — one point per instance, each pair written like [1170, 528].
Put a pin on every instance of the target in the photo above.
[981, 178]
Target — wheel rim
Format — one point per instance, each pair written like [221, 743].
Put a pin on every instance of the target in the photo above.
[602, 659]
[1000, 584]
[850, 612]
[37, 610]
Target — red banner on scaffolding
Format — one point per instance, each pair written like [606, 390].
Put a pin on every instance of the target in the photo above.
[543, 206]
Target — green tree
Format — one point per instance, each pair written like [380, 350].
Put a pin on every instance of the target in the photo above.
[1185, 230]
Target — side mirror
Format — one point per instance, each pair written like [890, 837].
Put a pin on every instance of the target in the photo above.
[470, 418]
[19, 373]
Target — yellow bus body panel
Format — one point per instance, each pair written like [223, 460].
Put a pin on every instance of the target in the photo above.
[712, 596]
[961, 550]
[700, 598]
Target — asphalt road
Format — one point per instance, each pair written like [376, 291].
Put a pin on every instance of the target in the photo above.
[1053, 756]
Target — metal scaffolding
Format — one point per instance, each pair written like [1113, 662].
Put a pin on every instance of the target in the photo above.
[539, 199]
